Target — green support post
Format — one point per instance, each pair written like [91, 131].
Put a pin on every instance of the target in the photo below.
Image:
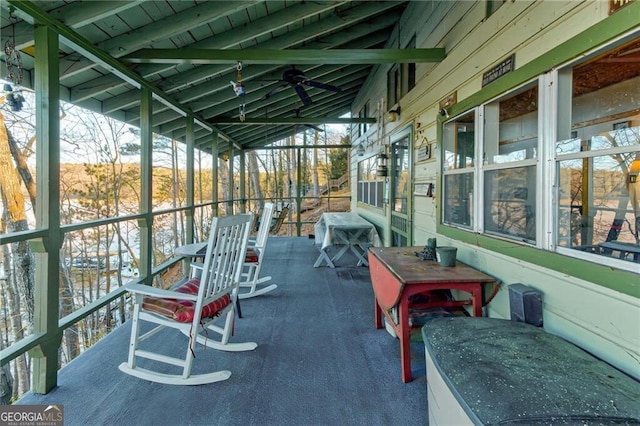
[47, 250]
[146, 190]
[230, 185]
[243, 182]
[190, 180]
[214, 172]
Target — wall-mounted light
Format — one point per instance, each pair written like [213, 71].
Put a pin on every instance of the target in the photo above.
[394, 114]
[225, 156]
[444, 113]
[360, 149]
[381, 169]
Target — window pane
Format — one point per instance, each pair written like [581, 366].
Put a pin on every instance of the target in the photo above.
[370, 186]
[372, 193]
[510, 202]
[458, 199]
[400, 177]
[598, 209]
[459, 135]
[511, 127]
[604, 102]
[393, 85]
[598, 202]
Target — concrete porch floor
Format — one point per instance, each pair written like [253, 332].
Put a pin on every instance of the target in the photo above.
[319, 361]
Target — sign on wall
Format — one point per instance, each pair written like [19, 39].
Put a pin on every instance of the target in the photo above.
[504, 67]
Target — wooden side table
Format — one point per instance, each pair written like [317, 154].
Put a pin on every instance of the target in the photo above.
[397, 274]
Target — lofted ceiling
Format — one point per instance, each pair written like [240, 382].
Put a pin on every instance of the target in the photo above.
[188, 51]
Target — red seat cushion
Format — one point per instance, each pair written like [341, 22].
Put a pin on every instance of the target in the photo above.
[251, 256]
[183, 310]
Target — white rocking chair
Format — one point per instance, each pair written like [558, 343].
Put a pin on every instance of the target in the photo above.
[255, 254]
[193, 307]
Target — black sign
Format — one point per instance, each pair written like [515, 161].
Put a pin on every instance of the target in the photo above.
[499, 70]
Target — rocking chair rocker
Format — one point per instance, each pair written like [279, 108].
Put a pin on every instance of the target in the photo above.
[254, 259]
[193, 307]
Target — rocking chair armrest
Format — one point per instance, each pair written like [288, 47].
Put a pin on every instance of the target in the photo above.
[197, 265]
[159, 292]
[196, 269]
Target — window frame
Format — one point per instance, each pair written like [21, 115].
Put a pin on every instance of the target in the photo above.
[615, 30]
[366, 187]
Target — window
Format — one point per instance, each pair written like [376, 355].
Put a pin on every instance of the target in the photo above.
[459, 171]
[370, 186]
[510, 149]
[409, 71]
[401, 78]
[554, 163]
[393, 85]
[364, 113]
[599, 141]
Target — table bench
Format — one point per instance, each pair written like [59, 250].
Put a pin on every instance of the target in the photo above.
[624, 248]
[495, 371]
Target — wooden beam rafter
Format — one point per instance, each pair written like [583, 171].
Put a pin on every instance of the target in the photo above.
[274, 56]
[293, 120]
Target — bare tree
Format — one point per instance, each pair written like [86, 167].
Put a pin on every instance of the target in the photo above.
[18, 262]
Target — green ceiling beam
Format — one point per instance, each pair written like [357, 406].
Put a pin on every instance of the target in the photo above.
[292, 120]
[293, 56]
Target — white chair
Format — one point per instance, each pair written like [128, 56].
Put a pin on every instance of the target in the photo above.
[255, 255]
[194, 307]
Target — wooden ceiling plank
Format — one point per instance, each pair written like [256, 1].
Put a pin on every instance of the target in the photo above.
[359, 35]
[269, 135]
[228, 39]
[73, 15]
[255, 101]
[171, 25]
[161, 29]
[323, 105]
[289, 40]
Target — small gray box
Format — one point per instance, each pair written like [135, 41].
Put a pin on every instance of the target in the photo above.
[525, 304]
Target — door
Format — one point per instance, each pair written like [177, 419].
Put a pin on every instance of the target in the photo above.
[400, 196]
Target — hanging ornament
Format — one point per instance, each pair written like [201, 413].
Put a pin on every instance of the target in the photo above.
[238, 88]
[13, 62]
[12, 55]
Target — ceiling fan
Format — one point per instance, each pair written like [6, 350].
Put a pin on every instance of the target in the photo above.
[295, 78]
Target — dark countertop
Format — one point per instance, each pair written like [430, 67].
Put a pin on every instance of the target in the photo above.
[504, 371]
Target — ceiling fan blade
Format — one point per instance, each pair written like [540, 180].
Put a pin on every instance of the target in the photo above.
[319, 85]
[304, 96]
[276, 90]
[311, 126]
